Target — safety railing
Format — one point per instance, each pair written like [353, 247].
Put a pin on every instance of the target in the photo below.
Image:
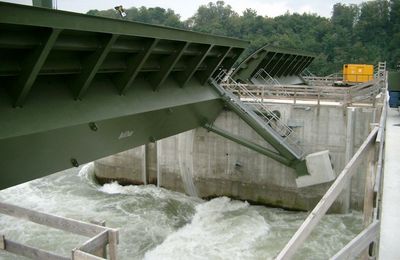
[262, 77]
[258, 110]
[93, 249]
[345, 95]
[357, 78]
[329, 80]
[374, 142]
[307, 73]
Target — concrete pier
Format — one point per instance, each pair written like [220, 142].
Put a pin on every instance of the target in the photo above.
[389, 241]
[220, 167]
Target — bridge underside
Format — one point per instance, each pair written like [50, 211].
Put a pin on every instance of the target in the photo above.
[282, 64]
[56, 134]
[75, 88]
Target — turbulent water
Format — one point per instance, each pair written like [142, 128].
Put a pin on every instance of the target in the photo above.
[155, 223]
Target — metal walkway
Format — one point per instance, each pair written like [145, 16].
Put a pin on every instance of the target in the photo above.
[390, 219]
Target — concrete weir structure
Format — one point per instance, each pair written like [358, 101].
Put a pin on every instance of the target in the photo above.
[273, 144]
[201, 163]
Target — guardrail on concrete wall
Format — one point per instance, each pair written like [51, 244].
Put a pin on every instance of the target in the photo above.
[92, 249]
[346, 95]
[374, 141]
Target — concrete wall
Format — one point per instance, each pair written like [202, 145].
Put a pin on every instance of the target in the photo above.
[204, 164]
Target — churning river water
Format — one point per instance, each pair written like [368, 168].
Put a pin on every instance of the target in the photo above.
[155, 223]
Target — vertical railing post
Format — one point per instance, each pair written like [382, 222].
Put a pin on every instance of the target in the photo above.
[102, 252]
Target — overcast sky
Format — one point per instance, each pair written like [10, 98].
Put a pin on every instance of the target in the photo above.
[187, 8]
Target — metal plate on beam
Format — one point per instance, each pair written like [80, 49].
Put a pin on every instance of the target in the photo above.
[277, 62]
[88, 87]
[77, 48]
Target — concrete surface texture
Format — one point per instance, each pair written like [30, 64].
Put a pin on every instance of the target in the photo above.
[389, 244]
[202, 163]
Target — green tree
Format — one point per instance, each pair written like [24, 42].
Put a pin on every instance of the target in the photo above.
[216, 18]
[365, 33]
[156, 15]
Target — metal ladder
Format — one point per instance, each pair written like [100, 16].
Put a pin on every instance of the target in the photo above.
[259, 112]
[262, 77]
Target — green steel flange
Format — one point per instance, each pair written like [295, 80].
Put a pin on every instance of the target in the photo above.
[75, 88]
[277, 62]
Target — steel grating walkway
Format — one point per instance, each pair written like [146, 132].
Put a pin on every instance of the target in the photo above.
[390, 225]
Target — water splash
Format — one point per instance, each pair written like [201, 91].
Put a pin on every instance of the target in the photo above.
[162, 224]
[87, 174]
[220, 229]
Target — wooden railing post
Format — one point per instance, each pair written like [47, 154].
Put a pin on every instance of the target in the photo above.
[327, 200]
[102, 252]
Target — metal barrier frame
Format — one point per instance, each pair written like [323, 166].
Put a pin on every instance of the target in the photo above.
[370, 234]
[344, 95]
[92, 249]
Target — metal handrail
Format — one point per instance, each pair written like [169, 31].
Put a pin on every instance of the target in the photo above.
[350, 94]
[268, 80]
[268, 118]
[327, 200]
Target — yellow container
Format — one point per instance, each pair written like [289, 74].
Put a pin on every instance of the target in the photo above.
[357, 73]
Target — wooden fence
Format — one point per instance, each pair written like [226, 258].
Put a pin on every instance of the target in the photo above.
[93, 249]
[374, 142]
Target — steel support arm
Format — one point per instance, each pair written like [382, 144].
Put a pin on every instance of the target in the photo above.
[255, 147]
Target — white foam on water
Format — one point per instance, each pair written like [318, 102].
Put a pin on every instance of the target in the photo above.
[160, 224]
[220, 229]
[112, 188]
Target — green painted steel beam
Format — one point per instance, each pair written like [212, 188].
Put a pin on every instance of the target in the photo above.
[251, 67]
[90, 67]
[302, 65]
[277, 62]
[135, 64]
[87, 46]
[309, 61]
[193, 65]
[285, 65]
[272, 140]
[295, 70]
[253, 146]
[167, 66]
[40, 17]
[294, 67]
[32, 66]
[291, 65]
[213, 65]
[36, 155]
[51, 106]
[268, 64]
[230, 59]
[394, 80]
[43, 137]
[25, 38]
[59, 66]
[43, 3]
[99, 59]
[276, 65]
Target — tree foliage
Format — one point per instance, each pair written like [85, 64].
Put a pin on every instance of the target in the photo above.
[365, 33]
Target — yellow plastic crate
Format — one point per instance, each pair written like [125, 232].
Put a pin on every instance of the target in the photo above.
[357, 73]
